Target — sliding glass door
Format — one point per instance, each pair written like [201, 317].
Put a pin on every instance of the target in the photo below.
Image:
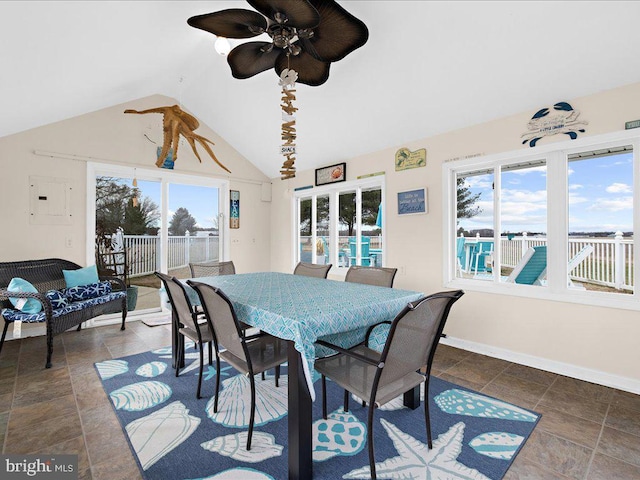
[146, 221]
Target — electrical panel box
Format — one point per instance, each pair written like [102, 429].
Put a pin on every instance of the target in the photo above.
[50, 201]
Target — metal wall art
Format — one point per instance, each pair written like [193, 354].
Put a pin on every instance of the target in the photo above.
[561, 118]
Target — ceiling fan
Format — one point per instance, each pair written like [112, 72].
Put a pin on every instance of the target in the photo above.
[306, 36]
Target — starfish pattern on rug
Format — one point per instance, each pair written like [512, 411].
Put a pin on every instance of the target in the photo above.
[418, 462]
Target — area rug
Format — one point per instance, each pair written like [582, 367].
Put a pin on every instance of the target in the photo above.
[175, 436]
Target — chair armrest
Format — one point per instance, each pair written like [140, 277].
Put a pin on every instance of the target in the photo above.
[46, 304]
[349, 353]
[370, 329]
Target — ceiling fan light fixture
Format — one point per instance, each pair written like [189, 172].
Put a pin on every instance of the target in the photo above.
[222, 46]
[315, 32]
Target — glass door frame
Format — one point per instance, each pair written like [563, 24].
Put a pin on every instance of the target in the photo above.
[165, 178]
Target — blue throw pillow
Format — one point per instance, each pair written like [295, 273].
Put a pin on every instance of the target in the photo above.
[57, 299]
[81, 276]
[86, 292]
[26, 305]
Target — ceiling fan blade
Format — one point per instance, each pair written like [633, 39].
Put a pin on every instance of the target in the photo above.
[310, 71]
[231, 23]
[248, 59]
[300, 13]
[338, 34]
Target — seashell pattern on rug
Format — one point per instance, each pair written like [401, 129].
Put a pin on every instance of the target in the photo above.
[263, 446]
[140, 396]
[151, 369]
[155, 435]
[110, 368]
[239, 473]
[340, 434]
[234, 404]
[500, 445]
[461, 402]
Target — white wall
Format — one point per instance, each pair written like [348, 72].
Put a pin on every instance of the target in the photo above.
[112, 137]
[595, 343]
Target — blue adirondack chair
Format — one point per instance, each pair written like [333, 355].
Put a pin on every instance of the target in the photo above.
[531, 268]
[366, 257]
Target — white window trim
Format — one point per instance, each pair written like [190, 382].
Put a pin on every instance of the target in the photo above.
[555, 155]
[334, 191]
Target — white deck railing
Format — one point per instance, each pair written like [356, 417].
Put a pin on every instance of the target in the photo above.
[610, 264]
[144, 257]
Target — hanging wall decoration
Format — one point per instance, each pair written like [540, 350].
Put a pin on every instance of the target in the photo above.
[406, 159]
[234, 209]
[306, 37]
[561, 118]
[288, 79]
[176, 122]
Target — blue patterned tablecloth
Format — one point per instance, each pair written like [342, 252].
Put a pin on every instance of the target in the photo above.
[303, 309]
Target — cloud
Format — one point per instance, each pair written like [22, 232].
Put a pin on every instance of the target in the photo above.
[575, 186]
[510, 195]
[612, 205]
[619, 188]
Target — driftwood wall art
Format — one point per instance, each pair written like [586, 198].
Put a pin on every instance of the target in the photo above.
[176, 122]
[288, 149]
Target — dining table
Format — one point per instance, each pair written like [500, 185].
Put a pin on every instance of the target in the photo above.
[301, 310]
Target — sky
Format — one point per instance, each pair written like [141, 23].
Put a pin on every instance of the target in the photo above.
[600, 197]
[202, 202]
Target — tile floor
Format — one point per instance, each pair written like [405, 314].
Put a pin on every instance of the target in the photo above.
[587, 431]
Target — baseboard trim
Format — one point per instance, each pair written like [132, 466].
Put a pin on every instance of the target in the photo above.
[589, 375]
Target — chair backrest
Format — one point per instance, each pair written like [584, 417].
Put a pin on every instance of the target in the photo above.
[460, 247]
[531, 267]
[312, 270]
[485, 247]
[414, 336]
[379, 276]
[364, 251]
[222, 318]
[179, 299]
[211, 269]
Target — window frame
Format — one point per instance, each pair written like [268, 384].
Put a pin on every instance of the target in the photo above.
[556, 158]
[334, 191]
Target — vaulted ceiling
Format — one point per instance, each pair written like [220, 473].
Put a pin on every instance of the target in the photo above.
[429, 67]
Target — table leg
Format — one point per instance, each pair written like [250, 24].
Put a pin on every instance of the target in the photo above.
[411, 399]
[300, 443]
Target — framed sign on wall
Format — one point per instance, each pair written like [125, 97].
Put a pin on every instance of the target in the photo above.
[412, 202]
[333, 174]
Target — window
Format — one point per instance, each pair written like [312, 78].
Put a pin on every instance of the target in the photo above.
[554, 222]
[341, 225]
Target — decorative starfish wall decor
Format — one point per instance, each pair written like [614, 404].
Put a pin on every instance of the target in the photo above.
[176, 122]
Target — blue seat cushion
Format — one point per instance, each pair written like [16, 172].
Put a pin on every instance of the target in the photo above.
[57, 299]
[11, 315]
[86, 292]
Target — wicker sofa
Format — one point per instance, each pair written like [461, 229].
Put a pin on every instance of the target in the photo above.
[46, 275]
